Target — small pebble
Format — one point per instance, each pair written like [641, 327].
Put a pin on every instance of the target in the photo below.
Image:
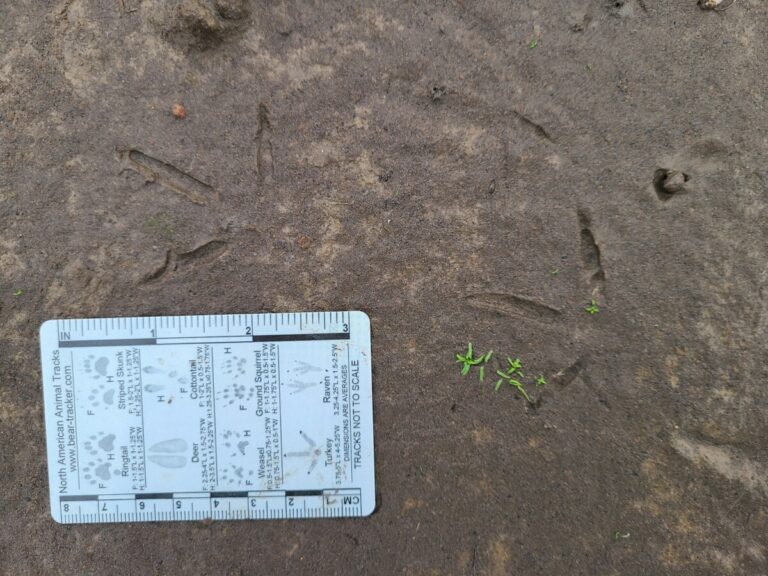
[179, 111]
[304, 242]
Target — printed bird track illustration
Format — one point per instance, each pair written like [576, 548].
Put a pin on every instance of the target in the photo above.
[512, 305]
[312, 452]
[168, 176]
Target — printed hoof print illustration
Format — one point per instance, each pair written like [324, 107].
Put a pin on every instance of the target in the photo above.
[169, 453]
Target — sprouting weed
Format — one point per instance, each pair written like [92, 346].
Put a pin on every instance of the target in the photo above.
[515, 367]
[18, 292]
[593, 308]
[468, 360]
[533, 44]
[512, 381]
[511, 376]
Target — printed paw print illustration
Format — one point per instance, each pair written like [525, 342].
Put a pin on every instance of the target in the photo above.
[102, 396]
[234, 367]
[98, 447]
[234, 393]
[237, 441]
[235, 475]
[96, 367]
[160, 371]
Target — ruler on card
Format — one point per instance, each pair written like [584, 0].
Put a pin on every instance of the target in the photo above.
[244, 416]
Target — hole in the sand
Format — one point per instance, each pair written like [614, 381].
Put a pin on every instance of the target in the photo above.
[668, 182]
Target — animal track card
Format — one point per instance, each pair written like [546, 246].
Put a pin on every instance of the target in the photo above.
[193, 417]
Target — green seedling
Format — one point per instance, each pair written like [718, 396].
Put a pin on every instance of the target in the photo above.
[593, 308]
[618, 535]
[468, 360]
[512, 381]
[541, 381]
[533, 44]
[18, 292]
[515, 367]
[589, 67]
[555, 271]
[511, 375]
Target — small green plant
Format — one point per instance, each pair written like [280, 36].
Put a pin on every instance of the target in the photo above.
[555, 271]
[533, 44]
[593, 308]
[18, 292]
[511, 375]
[512, 381]
[619, 536]
[515, 367]
[468, 360]
[589, 67]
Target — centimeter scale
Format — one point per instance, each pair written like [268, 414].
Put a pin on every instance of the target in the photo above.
[244, 416]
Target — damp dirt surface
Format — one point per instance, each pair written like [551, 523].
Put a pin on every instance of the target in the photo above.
[461, 171]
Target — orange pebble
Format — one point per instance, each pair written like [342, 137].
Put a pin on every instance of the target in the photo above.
[179, 111]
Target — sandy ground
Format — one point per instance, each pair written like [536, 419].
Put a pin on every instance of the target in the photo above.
[461, 171]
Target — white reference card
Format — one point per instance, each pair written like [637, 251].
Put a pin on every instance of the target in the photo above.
[245, 416]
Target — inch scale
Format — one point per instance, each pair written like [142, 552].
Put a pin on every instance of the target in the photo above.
[246, 416]
[258, 505]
